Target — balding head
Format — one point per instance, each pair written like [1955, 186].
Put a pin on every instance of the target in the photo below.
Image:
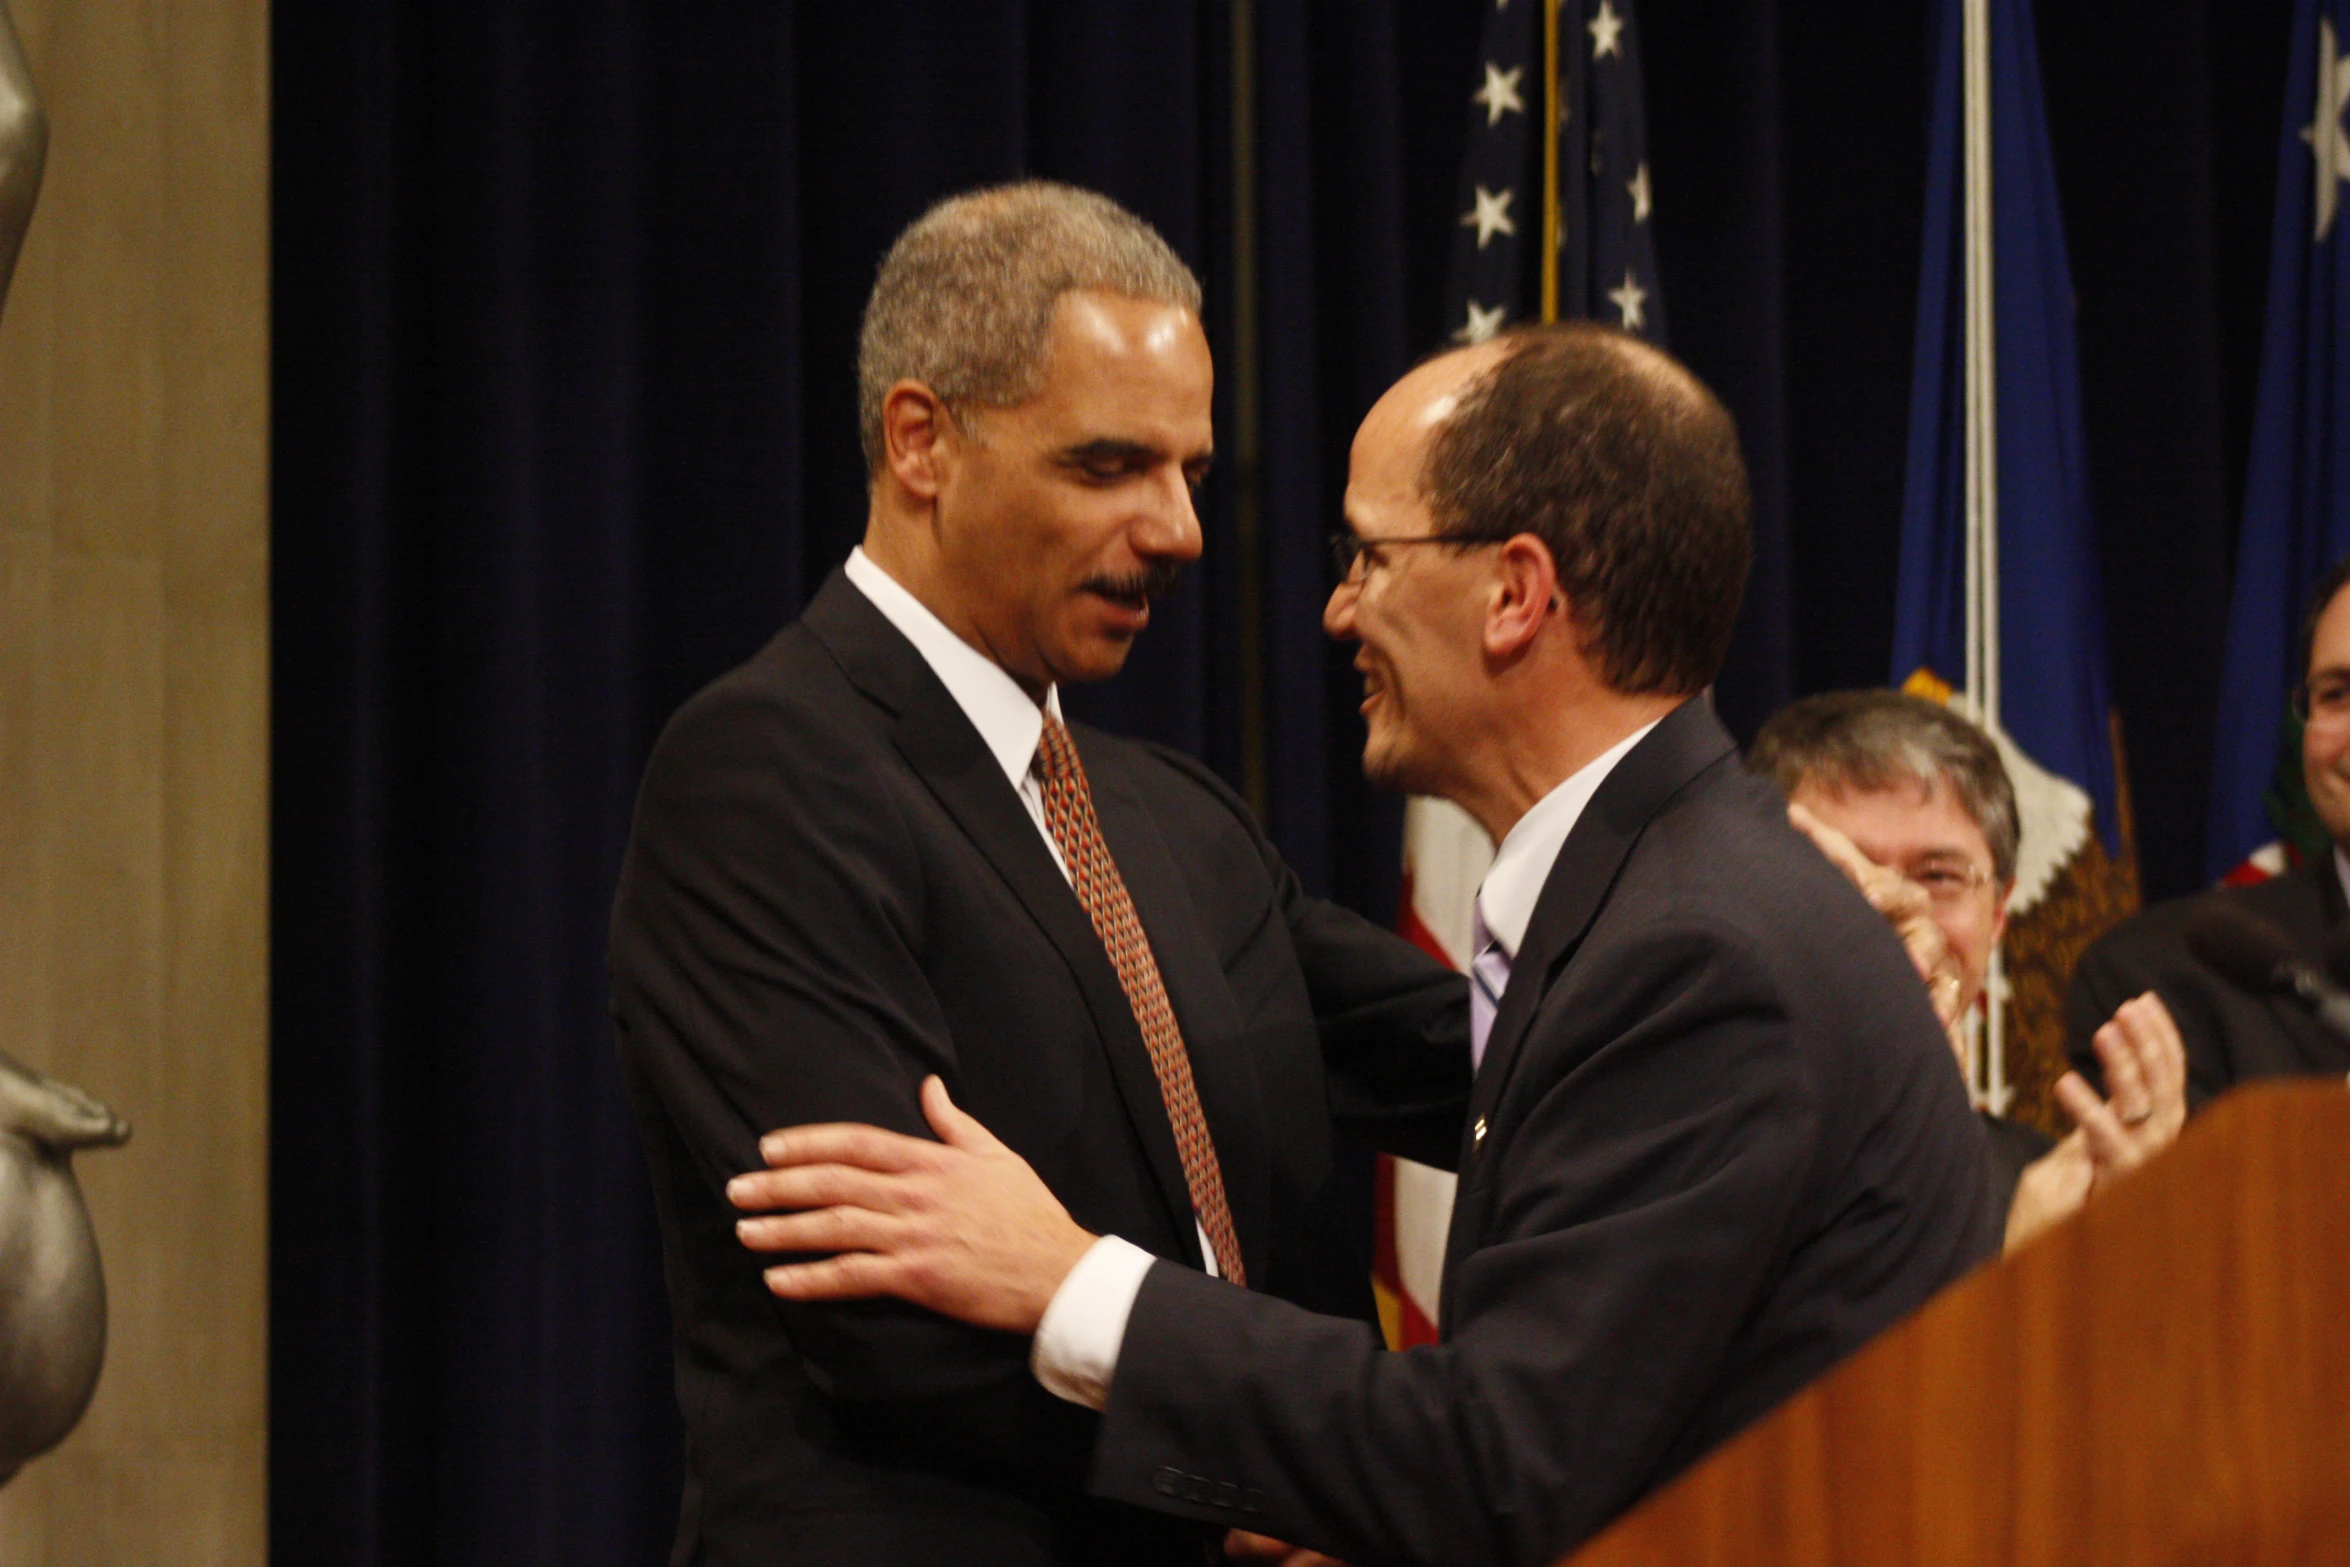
[1626, 467]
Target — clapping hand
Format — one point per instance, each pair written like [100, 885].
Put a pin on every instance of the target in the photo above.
[2146, 1070]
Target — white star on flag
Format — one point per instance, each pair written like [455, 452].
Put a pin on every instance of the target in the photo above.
[2330, 148]
[1482, 323]
[1629, 299]
[1491, 217]
[1638, 186]
[1606, 32]
[1500, 93]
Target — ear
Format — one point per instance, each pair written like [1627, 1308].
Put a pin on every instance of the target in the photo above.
[918, 438]
[1999, 919]
[1525, 595]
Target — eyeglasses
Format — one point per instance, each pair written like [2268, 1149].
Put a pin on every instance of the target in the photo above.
[1346, 550]
[1945, 881]
[2323, 703]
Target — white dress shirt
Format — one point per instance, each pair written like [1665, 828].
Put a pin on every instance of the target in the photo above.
[1007, 718]
[1076, 1350]
[1513, 882]
[1010, 723]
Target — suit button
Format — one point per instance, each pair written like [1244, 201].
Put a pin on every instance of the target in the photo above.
[1477, 1133]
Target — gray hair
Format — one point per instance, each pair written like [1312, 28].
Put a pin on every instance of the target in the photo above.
[964, 300]
[1880, 739]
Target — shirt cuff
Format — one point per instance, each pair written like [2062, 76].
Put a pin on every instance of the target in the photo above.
[1075, 1353]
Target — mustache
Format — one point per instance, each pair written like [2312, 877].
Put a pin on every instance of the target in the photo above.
[1156, 580]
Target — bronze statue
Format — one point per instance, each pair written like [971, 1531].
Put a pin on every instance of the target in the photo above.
[24, 147]
[52, 1296]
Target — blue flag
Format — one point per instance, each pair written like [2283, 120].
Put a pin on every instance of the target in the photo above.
[2297, 489]
[2040, 610]
[2051, 621]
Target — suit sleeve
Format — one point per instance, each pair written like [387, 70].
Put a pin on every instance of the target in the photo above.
[1640, 1204]
[1393, 1022]
[765, 974]
[1394, 1026]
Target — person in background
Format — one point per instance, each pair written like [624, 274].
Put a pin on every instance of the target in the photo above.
[2234, 1035]
[1912, 802]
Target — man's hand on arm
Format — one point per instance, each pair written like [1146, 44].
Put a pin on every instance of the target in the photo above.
[961, 1226]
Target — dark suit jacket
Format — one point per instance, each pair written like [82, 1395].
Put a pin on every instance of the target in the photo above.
[2231, 1035]
[830, 891]
[1717, 1142]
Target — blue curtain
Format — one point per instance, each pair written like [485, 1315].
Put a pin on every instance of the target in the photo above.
[564, 301]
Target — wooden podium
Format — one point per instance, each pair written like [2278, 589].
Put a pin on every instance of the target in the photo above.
[2165, 1379]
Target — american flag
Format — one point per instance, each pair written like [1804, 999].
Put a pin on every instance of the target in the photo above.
[1596, 224]
[1605, 244]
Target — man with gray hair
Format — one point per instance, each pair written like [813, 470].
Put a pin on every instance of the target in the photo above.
[1913, 802]
[875, 852]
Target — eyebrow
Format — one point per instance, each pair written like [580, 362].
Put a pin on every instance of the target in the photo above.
[1110, 448]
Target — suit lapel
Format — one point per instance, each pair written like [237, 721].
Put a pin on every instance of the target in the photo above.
[1204, 1008]
[946, 752]
[1685, 743]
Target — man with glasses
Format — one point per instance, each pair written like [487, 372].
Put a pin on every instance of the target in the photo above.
[1913, 803]
[2234, 1035]
[1714, 1141]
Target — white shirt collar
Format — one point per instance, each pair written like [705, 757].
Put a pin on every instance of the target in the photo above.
[1006, 719]
[2342, 869]
[1513, 885]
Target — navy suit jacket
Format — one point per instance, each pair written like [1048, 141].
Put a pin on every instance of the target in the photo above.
[830, 891]
[1717, 1142]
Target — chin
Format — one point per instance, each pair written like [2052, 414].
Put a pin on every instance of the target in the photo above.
[1091, 663]
[1392, 768]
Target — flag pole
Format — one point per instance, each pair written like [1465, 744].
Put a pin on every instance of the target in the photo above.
[1982, 478]
[1550, 160]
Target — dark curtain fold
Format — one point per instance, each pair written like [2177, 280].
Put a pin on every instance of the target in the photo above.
[565, 302]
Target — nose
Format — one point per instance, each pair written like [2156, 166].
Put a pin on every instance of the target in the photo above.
[1170, 529]
[1338, 616]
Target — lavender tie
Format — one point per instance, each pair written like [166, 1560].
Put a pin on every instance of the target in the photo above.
[1489, 976]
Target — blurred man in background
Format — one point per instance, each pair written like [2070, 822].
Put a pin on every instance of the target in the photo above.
[2233, 1033]
[1911, 800]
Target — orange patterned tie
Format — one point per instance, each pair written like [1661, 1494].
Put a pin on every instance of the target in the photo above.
[1068, 812]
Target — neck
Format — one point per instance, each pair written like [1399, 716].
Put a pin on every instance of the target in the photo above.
[1522, 762]
[906, 547]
